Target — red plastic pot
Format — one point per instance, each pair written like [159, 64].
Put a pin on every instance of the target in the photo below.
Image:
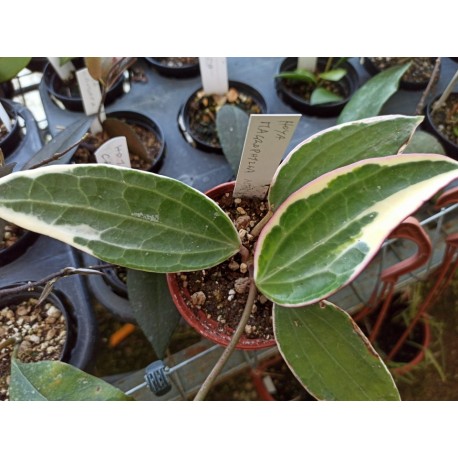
[197, 319]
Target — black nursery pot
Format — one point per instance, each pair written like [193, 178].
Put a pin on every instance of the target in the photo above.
[69, 95]
[186, 70]
[186, 123]
[349, 84]
[134, 118]
[12, 139]
[450, 148]
[18, 248]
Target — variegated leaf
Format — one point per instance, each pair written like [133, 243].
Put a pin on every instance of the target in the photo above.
[321, 237]
[127, 217]
[338, 146]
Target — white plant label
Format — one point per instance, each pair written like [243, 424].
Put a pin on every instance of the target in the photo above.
[266, 141]
[90, 91]
[63, 71]
[5, 118]
[307, 63]
[213, 71]
[114, 152]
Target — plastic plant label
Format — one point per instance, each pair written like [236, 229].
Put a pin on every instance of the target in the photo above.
[63, 71]
[266, 140]
[90, 91]
[114, 152]
[5, 118]
[213, 71]
[307, 63]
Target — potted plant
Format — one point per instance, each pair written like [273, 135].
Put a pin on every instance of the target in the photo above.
[321, 91]
[199, 113]
[66, 92]
[326, 222]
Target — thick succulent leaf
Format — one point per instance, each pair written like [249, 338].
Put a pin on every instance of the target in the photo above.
[61, 142]
[153, 308]
[338, 146]
[94, 67]
[301, 74]
[321, 95]
[115, 127]
[333, 75]
[231, 124]
[11, 66]
[127, 217]
[330, 356]
[369, 99]
[424, 142]
[325, 234]
[58, 381]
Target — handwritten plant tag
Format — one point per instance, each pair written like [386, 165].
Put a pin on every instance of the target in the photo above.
[5, 118]
[213, 71]
[114, 152]
[307, 63]
[90, 91]
[267, 138]
[63, 71]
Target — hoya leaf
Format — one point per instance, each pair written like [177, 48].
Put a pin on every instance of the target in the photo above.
[115, 127]
[333, 75]
[231, 124]
[61, 142]
[330, 356]
[58, 381]
[321, 95]
[369, 99]
[321, 237]
[11, 66]
[153, 308]
[300, 74]
[123, 216]
[338, 146]
[424, 142]
[94, 67]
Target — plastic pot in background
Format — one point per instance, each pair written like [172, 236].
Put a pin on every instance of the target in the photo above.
[196, 318]
[412, 80]
[349, 84]
[176, 67]
[432, 124]
[201, 127]
[19, 242]
[68, 94]
[9, 141]
[157, 150]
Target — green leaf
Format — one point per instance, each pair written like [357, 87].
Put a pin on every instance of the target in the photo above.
[321, 95]
[153, 308]
[338, 146]
[300, 74]
[321, 238]
[123, 216]
[115, 127]
[11, 66]
[333, 75]
[369, 99]
[58, 381]
[231, 125]
[64, 60]
[330, 356]
[61, 142]
[424, 142]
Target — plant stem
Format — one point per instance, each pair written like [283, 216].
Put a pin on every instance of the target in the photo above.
[65, 272]
[431, 83]
[57, 155]
[205, 388]
[7, 343]
[258, 228]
